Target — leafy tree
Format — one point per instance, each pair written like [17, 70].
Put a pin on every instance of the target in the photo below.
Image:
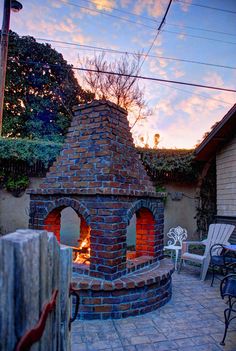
[41, 90]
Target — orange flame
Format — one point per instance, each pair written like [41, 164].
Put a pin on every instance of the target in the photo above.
[83, 257]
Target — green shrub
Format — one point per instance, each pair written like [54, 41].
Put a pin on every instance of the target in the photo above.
[17, 185]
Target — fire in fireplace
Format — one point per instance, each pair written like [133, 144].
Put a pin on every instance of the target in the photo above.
[81, 255]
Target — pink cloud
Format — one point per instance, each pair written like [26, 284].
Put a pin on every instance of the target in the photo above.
[104, 4]
[214, 79]
[185, 5]
[154, 8]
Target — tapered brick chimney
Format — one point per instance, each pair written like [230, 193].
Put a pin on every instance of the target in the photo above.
[99, 156]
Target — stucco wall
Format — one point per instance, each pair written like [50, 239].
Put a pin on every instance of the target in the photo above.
[181, 212]
[14, 210]
[14, 213]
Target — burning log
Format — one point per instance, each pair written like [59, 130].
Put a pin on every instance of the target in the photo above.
[82, 254]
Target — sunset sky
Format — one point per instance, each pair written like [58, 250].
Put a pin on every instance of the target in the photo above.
[181, 114]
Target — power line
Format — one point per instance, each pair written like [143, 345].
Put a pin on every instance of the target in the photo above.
[205, 6]
[172, 87]
[95, 48]
[114, 51]
[145, 25]
[200, 37]
[46, 65]
[156, 79]
[190, 92]
[169, 86]
[158, 31]
[202, 29]
[151, 19]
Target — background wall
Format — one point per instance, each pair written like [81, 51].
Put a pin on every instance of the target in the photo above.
[181, 212]
[14, 213]
[14, 210]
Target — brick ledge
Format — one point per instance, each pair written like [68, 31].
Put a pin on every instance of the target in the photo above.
[104, 191]
[154, 273]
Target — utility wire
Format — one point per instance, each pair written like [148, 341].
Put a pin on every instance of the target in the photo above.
[145, 25]
[158, 31]
[199, 37]
[195, 93]
[114, 51]
[94, 48]
[182, 90]
[201, 29]
[205, 6]
[46, 65]
[150, 18]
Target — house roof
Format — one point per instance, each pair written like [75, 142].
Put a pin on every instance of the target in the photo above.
[217, 137]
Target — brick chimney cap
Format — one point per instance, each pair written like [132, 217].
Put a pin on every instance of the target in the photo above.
[95, 103]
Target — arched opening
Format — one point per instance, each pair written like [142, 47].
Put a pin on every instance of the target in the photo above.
[140, 237]
[72, 230]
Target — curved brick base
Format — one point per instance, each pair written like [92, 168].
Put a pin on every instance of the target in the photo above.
[136, 293]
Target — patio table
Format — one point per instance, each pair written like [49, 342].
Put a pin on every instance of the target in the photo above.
[230, 247]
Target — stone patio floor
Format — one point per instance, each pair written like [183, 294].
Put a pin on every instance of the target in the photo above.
[192, 321]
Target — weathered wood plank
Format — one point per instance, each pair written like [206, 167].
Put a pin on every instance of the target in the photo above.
[55, 266]
[65, 279]
[27, 285]
[7, 330]
[45, 288]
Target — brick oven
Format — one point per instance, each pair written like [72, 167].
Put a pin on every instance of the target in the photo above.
[100, 176]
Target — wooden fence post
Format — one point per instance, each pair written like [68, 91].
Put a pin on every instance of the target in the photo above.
[7, 263]
[32, 267]
[65, 279]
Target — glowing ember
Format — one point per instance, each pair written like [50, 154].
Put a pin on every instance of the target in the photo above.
[82, 253]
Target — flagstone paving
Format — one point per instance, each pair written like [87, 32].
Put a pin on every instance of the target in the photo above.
[192, 321]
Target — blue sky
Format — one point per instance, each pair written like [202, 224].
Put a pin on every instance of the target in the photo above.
[180, 117]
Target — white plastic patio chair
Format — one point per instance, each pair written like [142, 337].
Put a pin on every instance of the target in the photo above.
[217, 234]
[177, 235]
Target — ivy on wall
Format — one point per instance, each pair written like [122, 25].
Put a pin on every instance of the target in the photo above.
[161, 164]
[206, 209]
[170, 164]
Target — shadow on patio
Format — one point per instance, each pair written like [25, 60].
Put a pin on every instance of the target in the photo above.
[192, 321]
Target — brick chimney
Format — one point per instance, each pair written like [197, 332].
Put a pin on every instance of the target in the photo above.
[99, 156]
